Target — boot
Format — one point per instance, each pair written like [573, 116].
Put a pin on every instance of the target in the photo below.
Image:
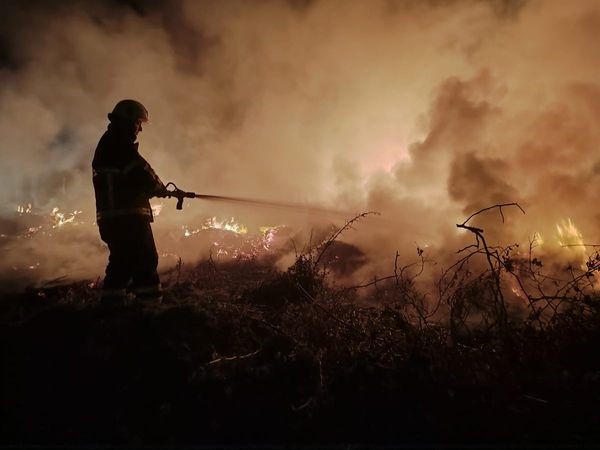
[149, 294]
[113, 298]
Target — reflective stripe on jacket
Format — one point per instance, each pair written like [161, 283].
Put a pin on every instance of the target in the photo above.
[124, 212]
[123, 180]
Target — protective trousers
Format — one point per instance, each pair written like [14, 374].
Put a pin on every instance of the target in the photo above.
[133, 257]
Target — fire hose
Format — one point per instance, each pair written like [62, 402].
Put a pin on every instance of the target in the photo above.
[180, 195]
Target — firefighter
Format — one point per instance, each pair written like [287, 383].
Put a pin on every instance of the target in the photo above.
[123, 183]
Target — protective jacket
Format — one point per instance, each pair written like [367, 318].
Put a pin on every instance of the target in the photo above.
[123, 180]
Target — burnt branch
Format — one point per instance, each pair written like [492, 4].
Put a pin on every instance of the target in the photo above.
[492, 256]
[499, 206]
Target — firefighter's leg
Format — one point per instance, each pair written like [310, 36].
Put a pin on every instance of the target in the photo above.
[118, 270]
[146, 282]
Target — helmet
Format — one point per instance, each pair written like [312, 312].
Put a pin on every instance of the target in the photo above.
[129, 111]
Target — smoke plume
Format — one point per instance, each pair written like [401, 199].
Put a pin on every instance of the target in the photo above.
[424, 111]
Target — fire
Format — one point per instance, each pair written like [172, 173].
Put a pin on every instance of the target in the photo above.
[187, 232]
[268, 236]
[61, 218]
[213, 223]
[156, 209]
[32, 230]
[568, 234]
[516, 290]
[56, 219]
[571, 239]
[24, 209]
[227, 225]
[237, 241]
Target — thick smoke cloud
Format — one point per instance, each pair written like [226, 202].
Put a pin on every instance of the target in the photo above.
[425, 111]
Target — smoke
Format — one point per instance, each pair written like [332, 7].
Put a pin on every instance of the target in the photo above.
[425, 111]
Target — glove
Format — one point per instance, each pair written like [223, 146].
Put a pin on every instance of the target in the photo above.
[161, 192]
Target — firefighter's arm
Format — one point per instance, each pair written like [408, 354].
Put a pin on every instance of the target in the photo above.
[144, 176]
[157, 187]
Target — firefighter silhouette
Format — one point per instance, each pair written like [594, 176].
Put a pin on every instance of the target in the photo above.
[123, 183]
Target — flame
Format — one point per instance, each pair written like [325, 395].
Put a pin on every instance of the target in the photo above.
[187, 232]
[24, 209]
[538, 239]
[268, 236]
[515, 288]
[568, 235]
[213, 223]
[156, 209]
[227, 225]
[244, 244]
[32, 230]
[61, 218]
